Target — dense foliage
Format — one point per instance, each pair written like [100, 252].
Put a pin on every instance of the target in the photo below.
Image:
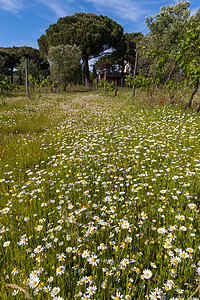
[166, 58]
[166, 31]
[65, 63]
[92, 33]
[12, 63]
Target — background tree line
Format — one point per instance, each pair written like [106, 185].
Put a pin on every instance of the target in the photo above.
[168, 56]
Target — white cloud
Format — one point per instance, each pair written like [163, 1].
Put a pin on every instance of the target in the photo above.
[58, 8]
[11, 5]
[123, 9]
[21, 43]
[193, 11]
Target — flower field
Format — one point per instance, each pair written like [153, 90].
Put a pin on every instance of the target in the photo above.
[100, 199]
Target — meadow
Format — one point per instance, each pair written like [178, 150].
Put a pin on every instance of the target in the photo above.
[100, 198]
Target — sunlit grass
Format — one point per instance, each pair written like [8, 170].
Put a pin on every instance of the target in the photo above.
[99, 198]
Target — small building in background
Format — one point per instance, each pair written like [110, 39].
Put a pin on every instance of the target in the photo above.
[115, 77]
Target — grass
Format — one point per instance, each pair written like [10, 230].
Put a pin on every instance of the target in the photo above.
[99, 197]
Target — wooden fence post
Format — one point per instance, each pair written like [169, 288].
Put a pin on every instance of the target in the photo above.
[134, 72]
[26, 75]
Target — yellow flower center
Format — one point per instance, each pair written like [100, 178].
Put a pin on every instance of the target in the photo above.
[166, 287]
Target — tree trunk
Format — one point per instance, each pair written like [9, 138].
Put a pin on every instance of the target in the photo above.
[169, 76]
[134, 72]
[65, 85]
[104, 82]
[85, 70]
[189, 103]
[11, 76]
[122, 74]
[96, 84]
[198, 108]
[26, 75]
[172, 98]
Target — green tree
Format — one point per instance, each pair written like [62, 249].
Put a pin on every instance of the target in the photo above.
[93, 34]
[132, 40]
[12, 63]
[106, 63]
[145, 63]
[65, 63]
[196, 17]
[8, 61]
[189, 58]
[166, 31]
[126, 53]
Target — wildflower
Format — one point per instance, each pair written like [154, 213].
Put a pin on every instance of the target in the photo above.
[128, 239]
[125, 224]
[175, 260]
[85, 297]
[184, 254]
[15, 271]
[5, 210]
[68, 250]
[167, 287]
[93, 260]
[191, 205]
[190, 250]
[60, 270]
[33, 281]
[39, 258]
[103, 285]
[167, 245]
[34, 273]
[46, 289]
[118, 296]
[153, 265]
[6, 244]
[50, 279]
[55, 291]
[23, 241]
[180, 291]
[183, 228]
[180, 217]
[38, 249]
[124, 262]
[147, 274]
[15, 292]
[161, 230]
[85, 254]
[91, 290]
[163, 191]
[39, 227]
[61, 257]
[198, 270]
[102, 246]
[85, 279]
[153, 295]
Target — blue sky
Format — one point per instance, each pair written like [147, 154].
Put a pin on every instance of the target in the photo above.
[24, 21]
